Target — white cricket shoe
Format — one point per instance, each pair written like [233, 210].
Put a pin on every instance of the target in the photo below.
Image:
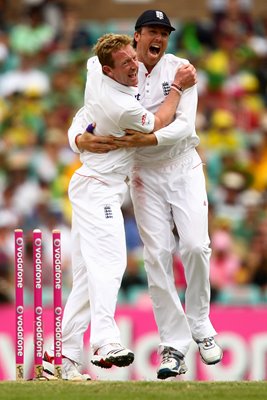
[210, 351]
[112, 354]
[70, 370]
[172, 363]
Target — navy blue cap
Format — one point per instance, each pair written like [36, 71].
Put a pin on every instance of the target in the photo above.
[153, 17]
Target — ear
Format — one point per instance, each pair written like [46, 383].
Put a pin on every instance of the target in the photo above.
[136, 36]
[107, 71]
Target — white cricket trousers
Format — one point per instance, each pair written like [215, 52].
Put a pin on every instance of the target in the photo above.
[98, 261]
[164, 195]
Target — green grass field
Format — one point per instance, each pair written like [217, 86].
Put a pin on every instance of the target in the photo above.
[106, 390]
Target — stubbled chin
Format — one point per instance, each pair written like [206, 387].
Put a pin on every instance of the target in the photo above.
[134, 82]
[154, 56]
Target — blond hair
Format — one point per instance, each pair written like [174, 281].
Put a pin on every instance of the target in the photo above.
[108, 44]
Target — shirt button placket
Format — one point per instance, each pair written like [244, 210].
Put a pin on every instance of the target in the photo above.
[148, 86]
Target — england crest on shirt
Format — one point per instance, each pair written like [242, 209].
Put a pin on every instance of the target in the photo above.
[166, 88]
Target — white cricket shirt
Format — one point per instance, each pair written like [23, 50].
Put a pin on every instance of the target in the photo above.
[173, 140]
[180, 136]
[114, 108]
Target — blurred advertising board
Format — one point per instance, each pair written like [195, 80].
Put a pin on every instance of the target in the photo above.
[242, 332]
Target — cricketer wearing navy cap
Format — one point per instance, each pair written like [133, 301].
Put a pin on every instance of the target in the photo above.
[168, 189]
[153, 17]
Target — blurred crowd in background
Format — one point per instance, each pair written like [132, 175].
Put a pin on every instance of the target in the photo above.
[42, 75]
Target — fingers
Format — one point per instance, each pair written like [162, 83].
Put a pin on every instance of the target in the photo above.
[189, 67]
[104, 140]
[131, 132]
[89, 138]
[193, 70]
[186, 76]
[97, 144]
[102, 151]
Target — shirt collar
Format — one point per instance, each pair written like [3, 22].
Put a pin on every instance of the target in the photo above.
[132, 90]
[143, 69]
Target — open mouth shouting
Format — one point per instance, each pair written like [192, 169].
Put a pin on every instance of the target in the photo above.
[133, 78]
[154, 49]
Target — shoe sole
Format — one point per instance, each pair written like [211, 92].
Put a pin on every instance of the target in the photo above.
[102, 363]
[168, 373]
[74, 379]
[212, 362]
[121, 361]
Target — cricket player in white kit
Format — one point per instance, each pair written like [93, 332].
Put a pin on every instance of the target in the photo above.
[168, 189]
[96, 192]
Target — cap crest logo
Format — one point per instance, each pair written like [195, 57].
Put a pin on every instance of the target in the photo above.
[159, 15]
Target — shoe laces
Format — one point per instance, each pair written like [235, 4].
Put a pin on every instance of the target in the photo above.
[208, 342]
[116, 346]
[170, 352]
